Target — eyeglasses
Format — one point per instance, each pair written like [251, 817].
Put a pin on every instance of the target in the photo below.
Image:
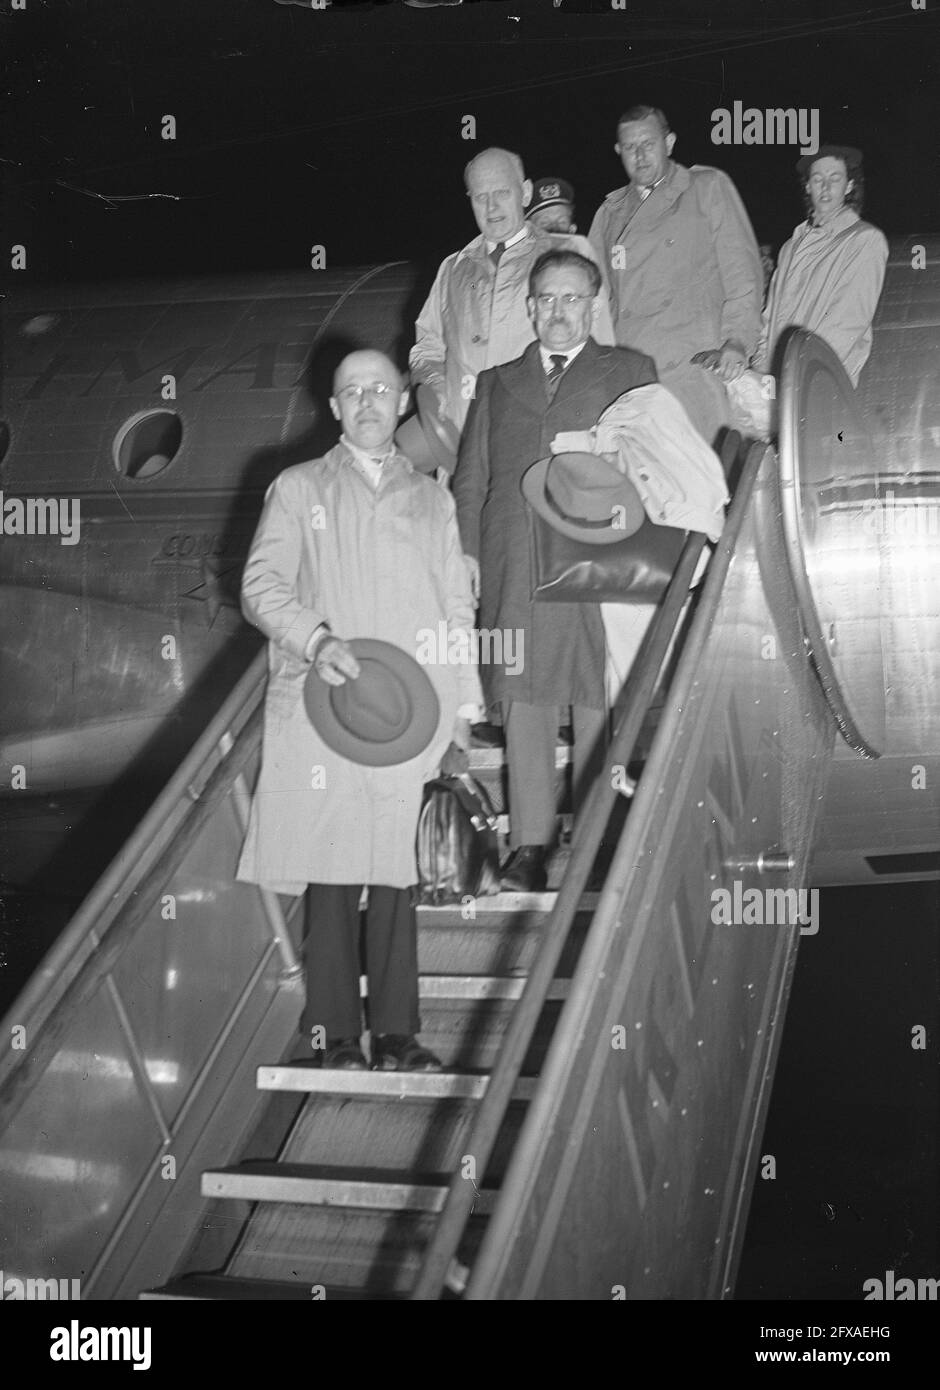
[356, 393]
[547, 302]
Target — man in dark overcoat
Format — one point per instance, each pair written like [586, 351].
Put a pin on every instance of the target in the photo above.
[562, 382]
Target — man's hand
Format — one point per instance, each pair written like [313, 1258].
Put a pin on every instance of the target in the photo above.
[573, 442]
[461, 732]
[473, 569]
[333, 661]
[727, 362]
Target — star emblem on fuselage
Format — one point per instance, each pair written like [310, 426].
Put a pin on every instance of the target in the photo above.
[213, 591]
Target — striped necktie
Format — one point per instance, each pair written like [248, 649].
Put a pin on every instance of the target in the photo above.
[559, 362]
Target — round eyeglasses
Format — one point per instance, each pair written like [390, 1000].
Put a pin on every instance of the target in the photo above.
[356, 393]
[547, 302]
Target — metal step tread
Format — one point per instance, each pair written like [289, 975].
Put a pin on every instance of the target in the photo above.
[319, 1185]
[231, 1287]
[483, 987]
[413, 1085]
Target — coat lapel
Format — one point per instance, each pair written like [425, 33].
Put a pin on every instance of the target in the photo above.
[525, 379]
[586, 372]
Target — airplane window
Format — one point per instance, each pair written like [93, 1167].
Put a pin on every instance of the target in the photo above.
[4, 439]
[147, 443]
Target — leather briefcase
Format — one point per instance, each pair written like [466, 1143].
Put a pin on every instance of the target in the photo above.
[457, 848]
[636, 569]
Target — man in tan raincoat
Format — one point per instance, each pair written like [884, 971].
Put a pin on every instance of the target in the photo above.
[475, 316]
[355, 544]
[683, 268]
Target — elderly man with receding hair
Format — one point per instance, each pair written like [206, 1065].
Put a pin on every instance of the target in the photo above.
[475, 316]
[356, 544]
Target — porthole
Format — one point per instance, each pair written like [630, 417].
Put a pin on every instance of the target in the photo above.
[147, 443]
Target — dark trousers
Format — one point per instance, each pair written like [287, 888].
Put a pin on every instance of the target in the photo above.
[332, 957]
[531, 738]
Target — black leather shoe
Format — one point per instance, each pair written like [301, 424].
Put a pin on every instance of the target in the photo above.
[340, 1054]
[402, 1052]
[486, 736]
[524, 871]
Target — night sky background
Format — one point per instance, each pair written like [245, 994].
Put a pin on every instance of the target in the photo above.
[343, 128]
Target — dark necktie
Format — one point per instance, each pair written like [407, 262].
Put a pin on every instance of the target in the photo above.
[559, 362]
[497, 252]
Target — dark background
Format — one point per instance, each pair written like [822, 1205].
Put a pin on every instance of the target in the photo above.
[342, 128]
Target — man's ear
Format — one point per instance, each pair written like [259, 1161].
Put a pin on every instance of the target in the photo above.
[334, 407]
[530, 308]
[670, 142]
[404, 401]
[849, 186]
[526, 193]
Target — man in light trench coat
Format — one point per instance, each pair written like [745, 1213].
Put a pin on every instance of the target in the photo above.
[355, 544]
[475, 315]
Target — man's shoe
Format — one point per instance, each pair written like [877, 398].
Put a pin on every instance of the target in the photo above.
[402, 1052]
[524, 871]
[340, 1054]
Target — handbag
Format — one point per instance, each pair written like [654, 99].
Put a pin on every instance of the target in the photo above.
[457, 849]
[636, 569]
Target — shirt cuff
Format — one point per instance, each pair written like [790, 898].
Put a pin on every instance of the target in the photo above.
[319, 632]
[473, 712]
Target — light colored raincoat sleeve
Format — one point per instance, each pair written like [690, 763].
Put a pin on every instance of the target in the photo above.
[738, 261]
[678, 477]
[459, 606]
[269, 583]
[427, 359]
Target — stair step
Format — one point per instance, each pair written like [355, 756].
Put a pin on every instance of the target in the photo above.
[327, 1187]
[406, 1137]
[500, 939]
[483, 987]
[411, 1085]
[376, 1252]
[223, 1286]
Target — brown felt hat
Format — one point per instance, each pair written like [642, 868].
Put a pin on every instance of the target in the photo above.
[388, 714]
[584, 496]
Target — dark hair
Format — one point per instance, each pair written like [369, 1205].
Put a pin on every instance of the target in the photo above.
[855, 175]
[643, 113]
[549, 259]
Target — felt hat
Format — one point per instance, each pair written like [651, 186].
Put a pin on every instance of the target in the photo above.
[427, 440]
[848, 153]
[584, 496]
[387, 715]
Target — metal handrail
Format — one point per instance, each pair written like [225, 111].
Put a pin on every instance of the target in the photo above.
[638, 692]
[606, 920]
[116, 905]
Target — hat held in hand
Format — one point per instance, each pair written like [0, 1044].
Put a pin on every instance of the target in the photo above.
[584, 496]
[387, 715]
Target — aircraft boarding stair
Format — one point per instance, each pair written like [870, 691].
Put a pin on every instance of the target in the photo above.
[608, 1056]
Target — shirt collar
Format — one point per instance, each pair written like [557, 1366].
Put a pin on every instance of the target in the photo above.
[842, 219]
[492, 245]
[368, 458]
[547, 354]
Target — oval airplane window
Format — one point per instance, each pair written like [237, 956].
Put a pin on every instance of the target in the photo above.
[147, 443]
[829, 484]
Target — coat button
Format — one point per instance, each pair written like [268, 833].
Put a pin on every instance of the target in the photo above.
[670, 241]
[476, 338]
